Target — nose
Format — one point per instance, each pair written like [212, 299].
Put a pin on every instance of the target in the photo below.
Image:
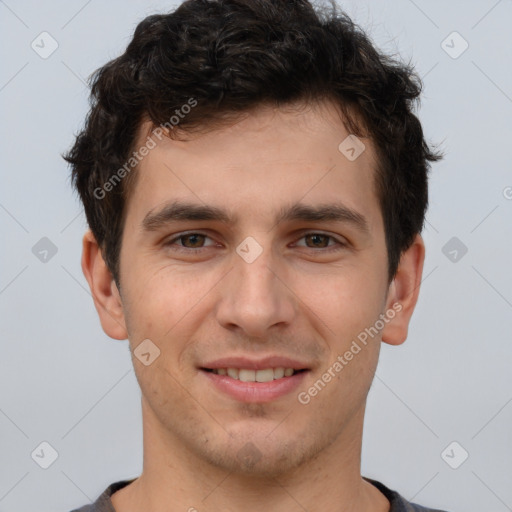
[256, 296]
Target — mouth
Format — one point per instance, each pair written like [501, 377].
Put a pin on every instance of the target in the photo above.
[251, 375]
[252, 381]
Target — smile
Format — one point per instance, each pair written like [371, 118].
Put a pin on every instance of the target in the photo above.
[249, 375]
[254, 386]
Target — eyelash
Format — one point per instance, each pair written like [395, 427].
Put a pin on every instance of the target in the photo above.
[340, 245]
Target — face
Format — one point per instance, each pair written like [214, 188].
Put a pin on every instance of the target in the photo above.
[247, 252]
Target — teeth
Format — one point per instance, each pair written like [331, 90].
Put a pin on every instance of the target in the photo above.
[278, 373]
[245, 375]
[264, 375]
[233, 373]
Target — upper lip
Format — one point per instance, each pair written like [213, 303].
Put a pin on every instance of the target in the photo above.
[255, 364]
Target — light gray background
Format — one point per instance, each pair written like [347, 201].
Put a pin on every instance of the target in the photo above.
[63, 381]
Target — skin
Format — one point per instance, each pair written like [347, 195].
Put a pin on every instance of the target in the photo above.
[297, 299]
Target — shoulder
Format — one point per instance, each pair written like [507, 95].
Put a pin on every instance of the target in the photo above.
[87, 508]
[398, 503]
[104, 503]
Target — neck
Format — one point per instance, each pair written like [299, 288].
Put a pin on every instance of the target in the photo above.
[173, 476]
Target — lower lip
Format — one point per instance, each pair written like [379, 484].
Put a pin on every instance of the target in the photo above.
[255, 391]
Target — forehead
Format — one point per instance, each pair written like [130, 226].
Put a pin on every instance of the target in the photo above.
[268, 158]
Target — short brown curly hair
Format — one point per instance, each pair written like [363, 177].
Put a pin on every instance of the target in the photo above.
[230, 56]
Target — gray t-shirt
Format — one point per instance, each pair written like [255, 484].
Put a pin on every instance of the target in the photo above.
[398, 504]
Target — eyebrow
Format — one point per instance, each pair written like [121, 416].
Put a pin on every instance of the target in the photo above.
[184, 211]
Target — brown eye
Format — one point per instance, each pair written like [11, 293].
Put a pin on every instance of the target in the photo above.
[192, 241]
[189, 241]
[318, 240]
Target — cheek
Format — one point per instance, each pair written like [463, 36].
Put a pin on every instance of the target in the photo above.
[166, 306]
[157, 299]
[347, 300]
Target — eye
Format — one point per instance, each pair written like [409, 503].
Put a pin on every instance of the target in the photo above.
[189, 241]
[196, 241]
[321, 241]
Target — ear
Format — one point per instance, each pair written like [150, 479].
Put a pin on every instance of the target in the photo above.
[103, 289]
[403, 293]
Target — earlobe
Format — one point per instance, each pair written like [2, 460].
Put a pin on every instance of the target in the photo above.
[103, 289]
[403, 293]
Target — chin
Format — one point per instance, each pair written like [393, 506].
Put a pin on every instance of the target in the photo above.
[260, 455]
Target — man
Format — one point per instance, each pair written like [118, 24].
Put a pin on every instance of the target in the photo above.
[255, 183]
